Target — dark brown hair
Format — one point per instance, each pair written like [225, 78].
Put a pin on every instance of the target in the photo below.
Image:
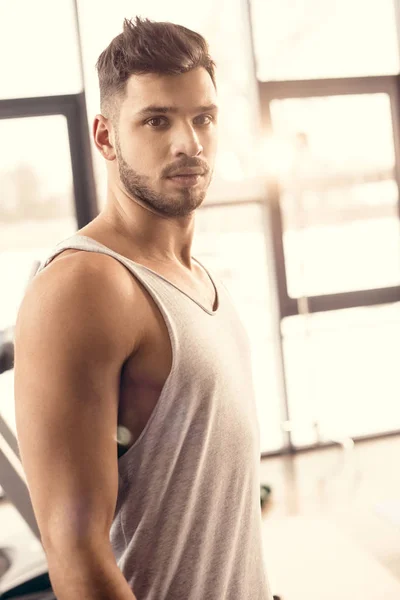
[146, 46]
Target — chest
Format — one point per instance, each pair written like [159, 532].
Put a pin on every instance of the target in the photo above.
[211, 352]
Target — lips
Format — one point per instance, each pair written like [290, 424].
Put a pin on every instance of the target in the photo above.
[185, 180]
[186, 174]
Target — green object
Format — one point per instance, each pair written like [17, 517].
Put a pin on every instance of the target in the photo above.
[265, 492]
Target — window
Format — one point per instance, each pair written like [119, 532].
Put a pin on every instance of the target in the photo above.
[315, 39]
[334, 157]
[39, 46]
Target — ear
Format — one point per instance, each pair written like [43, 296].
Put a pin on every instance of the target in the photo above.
[103, 137]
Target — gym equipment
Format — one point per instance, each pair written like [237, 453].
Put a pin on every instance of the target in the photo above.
[6, 349]
[23, 571]
[265, 493]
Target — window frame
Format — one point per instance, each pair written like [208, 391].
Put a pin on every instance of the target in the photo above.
[282, 90]
[73, 107]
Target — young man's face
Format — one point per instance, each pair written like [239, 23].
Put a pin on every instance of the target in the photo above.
[167, 126]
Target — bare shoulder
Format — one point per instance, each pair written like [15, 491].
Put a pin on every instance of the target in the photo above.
[89, 289]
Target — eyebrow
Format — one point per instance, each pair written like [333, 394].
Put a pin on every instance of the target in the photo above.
[150, 110]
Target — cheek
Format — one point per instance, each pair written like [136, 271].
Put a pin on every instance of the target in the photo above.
[140, 145]
[144, 156]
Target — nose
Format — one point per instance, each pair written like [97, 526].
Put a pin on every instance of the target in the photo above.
[186, 141]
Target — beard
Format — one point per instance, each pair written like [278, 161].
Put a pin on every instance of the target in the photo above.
[180, 204]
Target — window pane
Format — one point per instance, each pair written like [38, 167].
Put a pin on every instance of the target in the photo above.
[317, 39]
[36, 212]
[37, 205]
[225, 29]
[231, 241]
[339, 198]
[342, 370]
[39, 46]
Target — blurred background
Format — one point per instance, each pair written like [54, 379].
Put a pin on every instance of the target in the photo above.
[301, 223]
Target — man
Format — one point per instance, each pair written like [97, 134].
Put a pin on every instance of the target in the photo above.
[135, 407]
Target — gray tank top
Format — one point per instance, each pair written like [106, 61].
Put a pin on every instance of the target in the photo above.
[187, 523]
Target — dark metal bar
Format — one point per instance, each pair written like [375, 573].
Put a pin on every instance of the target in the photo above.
[81, 159]
[9, 436]
[15, 108]
[277, 241]
[328, 445]
[310, 88]
[344, 300]
[276, 318]
[273, 200]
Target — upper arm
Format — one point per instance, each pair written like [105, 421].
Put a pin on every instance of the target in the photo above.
[74, 331]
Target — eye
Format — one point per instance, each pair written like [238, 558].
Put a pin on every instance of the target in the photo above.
[204, 119]
[157, 122]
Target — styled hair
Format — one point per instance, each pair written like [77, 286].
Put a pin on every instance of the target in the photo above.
[146, 46]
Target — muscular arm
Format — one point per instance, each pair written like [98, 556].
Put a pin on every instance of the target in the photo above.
[75, 329]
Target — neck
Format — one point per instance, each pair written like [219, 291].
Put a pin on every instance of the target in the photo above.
[153, 236]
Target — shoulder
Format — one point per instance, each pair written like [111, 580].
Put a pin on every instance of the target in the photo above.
[86, 289]
[82, 264]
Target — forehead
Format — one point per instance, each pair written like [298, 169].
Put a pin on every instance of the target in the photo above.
[183, 91]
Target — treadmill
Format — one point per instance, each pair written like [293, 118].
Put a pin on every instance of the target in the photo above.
[23, 564]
